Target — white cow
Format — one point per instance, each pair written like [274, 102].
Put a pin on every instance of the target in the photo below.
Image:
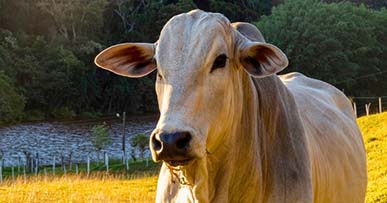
[230, 129]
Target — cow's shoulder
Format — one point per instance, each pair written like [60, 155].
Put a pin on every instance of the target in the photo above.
[324, 95]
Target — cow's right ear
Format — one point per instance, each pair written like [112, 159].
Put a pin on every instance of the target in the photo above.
[128, 59]
[262, 59]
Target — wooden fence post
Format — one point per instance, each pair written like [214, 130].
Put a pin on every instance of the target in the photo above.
[53, 165]
[107, 162]
[45, 174]
[1, 172]
[123, 157]
[31, 164]
[380, 105]
[36, 167]
[367, 107]
[37, 163]
[18, 165]
[13, 173]
[70, 164]
[104, 158]
[88, 165]
[24, 173]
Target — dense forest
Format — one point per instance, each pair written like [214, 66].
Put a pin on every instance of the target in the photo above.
[47, 49]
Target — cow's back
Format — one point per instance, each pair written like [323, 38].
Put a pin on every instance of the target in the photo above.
[334, 140]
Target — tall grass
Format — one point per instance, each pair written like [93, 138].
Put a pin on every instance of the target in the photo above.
[140, 187]
[101, 188]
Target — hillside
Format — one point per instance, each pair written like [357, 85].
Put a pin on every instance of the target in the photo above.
[108, 188]
[374, 129]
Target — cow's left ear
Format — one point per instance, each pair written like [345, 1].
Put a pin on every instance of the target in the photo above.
[262, 59]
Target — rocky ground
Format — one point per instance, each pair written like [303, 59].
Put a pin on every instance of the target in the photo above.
[65, 140]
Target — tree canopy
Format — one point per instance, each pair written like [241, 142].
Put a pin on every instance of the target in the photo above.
[340, 43]
[47, 48]
[11, 103]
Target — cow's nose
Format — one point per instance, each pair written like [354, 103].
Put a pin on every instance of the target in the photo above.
[171, 146]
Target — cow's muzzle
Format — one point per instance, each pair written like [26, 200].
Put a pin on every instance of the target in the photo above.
[173, 148]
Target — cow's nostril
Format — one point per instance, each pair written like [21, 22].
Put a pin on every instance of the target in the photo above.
[156, 144]
[183, 140]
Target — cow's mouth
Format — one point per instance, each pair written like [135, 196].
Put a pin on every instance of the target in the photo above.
[175, 163]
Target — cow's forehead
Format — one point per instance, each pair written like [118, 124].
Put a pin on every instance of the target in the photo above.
[189, 39]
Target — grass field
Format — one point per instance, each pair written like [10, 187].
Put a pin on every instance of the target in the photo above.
[140, 187]
[72, 188]
[374, 129]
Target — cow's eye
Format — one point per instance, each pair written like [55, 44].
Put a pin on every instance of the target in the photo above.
[220, 62]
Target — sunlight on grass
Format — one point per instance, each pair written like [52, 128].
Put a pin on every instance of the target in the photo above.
[101, 187]
[374, 129]
[72, 188]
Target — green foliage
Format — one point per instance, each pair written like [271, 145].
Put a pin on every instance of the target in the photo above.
[337, 43]
[47, 50]
[245, 10]
[100, 137]
[47, 47]
[375, 4]
[90, 114]
[49, 75]
[63, 113]
[141, 142]
[74, 19]
[11, 103]
[34, 115]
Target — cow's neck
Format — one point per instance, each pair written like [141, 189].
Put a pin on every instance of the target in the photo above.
[247, 163]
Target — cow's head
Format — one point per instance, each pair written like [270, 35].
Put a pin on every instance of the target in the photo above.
[200, 58]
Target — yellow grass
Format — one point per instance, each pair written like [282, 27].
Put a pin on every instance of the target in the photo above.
[105, 188]
[374, 129]
[76, 189]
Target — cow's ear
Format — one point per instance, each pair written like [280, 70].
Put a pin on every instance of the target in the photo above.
[128, 59]
[262, 59]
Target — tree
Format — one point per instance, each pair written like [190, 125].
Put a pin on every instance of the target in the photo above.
[333, 42]
[126, 11]
[49, 74]
[100, 137]
[74, 17]
[141, 142]
[47, 49]
[11, 103]
[375, 4]
[23, 16]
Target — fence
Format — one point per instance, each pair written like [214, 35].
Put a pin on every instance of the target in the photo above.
[25, 163]
[31, 165]
[369, 105]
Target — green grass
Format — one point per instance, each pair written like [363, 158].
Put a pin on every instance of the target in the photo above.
[139, 183]
[115, 167]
